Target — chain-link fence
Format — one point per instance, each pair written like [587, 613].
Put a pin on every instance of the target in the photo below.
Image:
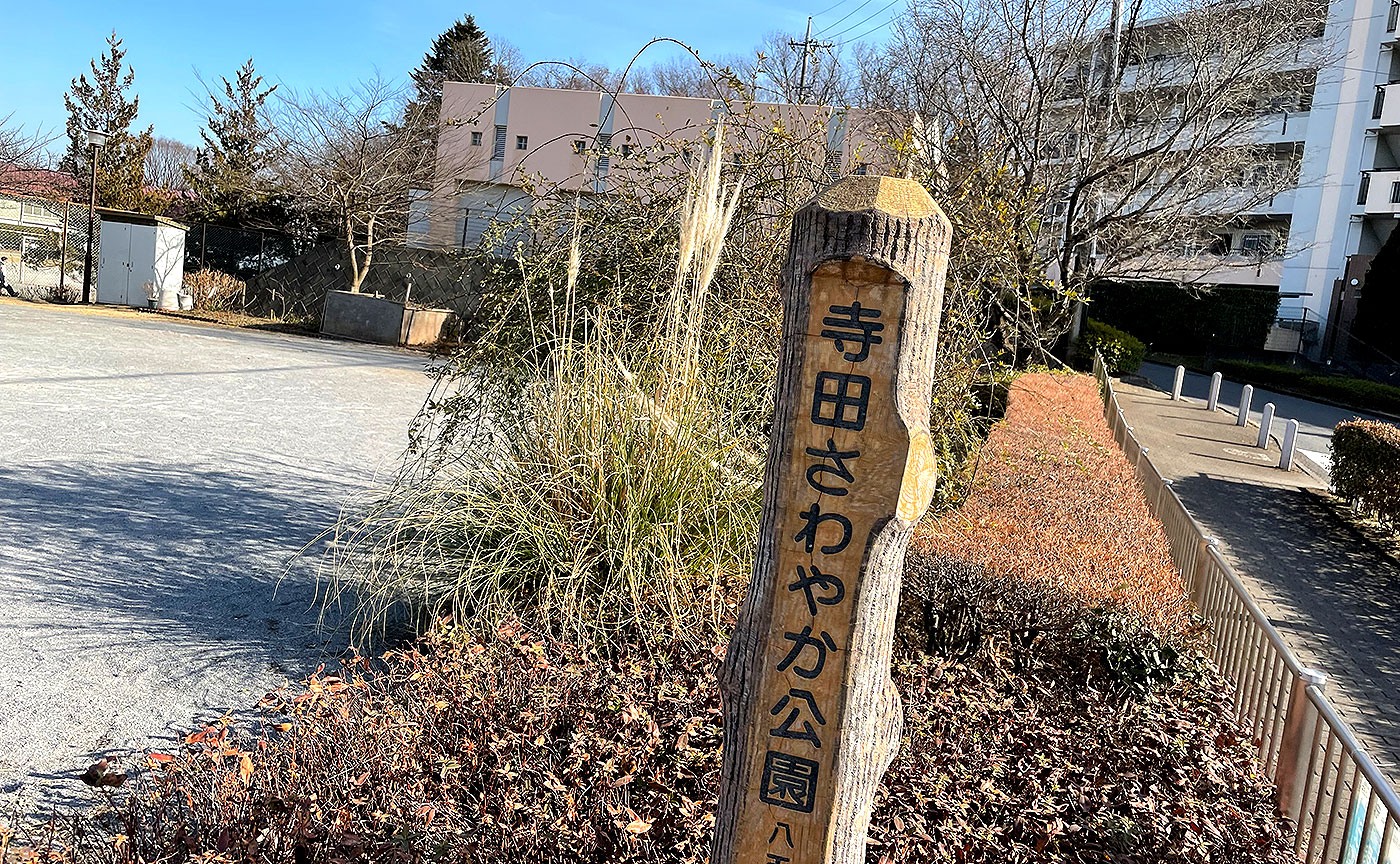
[241, 252]
[43, 244]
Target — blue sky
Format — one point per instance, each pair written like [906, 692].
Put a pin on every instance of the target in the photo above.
[329, 44]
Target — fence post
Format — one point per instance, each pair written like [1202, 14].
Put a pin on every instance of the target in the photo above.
[1213, 401]
[1198, 581]
[1290, 438]
[1246, 398]
[1290, 775]
[1137, 463]
[63, 253]
[1177, 381]
[1162, 490]
[1266, 425]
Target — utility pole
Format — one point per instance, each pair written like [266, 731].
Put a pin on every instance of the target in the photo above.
[806, 45]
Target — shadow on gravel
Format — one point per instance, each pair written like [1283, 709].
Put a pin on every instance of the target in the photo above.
[1331, 593]
[156, 591]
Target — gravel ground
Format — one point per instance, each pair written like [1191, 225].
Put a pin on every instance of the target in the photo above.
[157, 479]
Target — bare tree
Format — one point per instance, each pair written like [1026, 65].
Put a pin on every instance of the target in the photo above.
[776, 71]
[22, 153]
[351, 161]
[1098, 145]
[167, 163]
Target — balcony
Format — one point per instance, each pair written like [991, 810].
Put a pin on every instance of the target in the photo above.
[1385, 110]
[1379, 193]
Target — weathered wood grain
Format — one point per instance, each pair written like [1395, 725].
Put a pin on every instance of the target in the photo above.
[812, 719]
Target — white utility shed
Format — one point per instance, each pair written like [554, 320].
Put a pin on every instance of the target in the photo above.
[135, 249]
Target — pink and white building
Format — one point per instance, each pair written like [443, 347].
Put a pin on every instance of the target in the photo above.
[499, 146]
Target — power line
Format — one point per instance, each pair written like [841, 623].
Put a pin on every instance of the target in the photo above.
[829, 8]
[864, 21]
[873, 29]
[847, 15]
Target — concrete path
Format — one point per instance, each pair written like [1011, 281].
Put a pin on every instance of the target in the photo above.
[1332, 595]
[156, 477]
[1315, 420]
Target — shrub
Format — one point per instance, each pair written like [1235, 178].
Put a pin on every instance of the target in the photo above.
[68, 294]
[1122, 352]
[600, 488]
[1366, 467]
[1056, 504]
[1189, 321]
[215, 290]
[1358, 393]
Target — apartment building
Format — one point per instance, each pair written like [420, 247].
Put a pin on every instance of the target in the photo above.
[500, 146]
[1338, 124]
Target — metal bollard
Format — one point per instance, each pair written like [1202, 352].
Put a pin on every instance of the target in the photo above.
[1266, 425]
[1177, 382]
[1296, 744]
[1290, 438]
[1246, 398]
[1213, 401]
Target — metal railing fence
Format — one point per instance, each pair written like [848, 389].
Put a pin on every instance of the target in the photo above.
[1341, 807]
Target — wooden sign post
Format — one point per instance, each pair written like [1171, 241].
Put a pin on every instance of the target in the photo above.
[812, 719]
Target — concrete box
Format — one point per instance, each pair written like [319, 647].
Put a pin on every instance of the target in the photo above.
[369, 318]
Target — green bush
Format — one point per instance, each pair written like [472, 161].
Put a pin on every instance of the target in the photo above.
[1355, 393]
[1171, 318]
[1366, 467]
[1121, 351]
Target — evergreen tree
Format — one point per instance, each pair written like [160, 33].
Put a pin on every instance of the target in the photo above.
[102, 104]
[1378, 310]
[461, 53]
[229, 169]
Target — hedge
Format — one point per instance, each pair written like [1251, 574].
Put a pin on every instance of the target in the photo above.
[1173, 319]
[1121, 351]
[1366, 467]
[1355, 393]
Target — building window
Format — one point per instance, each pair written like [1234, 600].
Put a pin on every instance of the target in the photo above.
[1395, 192]
[604, 151]
[580, 146]
[862, 169]
[499, 150]
[522, 142]
[1258, 244]
[1393, 18]
[1219, 244]
[1380, 102]
[476, 139]
[31, 211]
[626, 150]
[833, 164]
[1363, 189]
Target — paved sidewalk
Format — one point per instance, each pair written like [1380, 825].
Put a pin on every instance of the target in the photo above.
[1331, 594]
[1315, 419]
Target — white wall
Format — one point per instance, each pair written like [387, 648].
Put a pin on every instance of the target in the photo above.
[1326, 227]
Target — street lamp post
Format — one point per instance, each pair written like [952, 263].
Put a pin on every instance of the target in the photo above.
[96, 139]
